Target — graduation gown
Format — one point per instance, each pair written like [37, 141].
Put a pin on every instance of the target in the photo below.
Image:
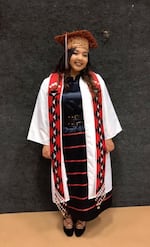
[39, 132]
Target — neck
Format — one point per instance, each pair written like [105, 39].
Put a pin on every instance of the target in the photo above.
[74, 74]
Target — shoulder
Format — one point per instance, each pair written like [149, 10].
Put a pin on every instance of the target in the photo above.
[45, 84]
[46, 81]
[100, 80]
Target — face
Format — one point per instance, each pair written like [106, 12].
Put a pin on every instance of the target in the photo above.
[78, 60]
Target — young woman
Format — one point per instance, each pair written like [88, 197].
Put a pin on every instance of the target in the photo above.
[75, 121]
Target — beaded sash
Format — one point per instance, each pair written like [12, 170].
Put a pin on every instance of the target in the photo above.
[54, 105]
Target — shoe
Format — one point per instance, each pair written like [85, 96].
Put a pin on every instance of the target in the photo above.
[80, 228]
[68, 226]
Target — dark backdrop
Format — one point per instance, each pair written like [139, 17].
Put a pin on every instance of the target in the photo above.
[28, 54]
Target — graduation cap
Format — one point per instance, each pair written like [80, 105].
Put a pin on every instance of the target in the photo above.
[79, 38]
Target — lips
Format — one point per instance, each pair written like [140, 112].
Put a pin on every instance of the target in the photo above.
[78, 64]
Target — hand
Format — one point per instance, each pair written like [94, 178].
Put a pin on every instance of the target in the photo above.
[46, 152]
[110, 146]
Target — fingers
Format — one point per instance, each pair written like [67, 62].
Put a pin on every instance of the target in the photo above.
[46, 152]
[110, 146]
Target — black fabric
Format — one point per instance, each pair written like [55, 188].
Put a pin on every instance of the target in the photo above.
[75, 158]
[92, 213]
[71, 101]
[79, 206]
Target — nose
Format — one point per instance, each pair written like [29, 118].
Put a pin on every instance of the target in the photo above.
[80, 56]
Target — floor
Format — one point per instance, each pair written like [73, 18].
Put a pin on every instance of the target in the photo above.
[115, 227]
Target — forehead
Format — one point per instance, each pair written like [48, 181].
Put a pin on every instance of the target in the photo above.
[78, 42]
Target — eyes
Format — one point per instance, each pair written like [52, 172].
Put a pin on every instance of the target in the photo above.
[84, 54]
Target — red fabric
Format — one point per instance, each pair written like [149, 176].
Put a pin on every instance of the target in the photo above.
[100, 140]
[54, 104]
[55, 139]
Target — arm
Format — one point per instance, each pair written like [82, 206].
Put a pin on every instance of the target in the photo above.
[110, 120]
[39, 126]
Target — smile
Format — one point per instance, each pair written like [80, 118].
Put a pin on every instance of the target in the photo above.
[78, 63]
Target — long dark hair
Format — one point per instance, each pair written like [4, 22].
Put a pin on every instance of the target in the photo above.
[85, 73]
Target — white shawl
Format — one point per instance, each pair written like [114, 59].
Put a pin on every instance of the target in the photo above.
[39, 132]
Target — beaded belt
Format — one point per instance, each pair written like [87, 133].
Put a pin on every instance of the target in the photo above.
[74, 120]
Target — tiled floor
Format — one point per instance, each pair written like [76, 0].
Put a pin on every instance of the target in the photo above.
[115, 227]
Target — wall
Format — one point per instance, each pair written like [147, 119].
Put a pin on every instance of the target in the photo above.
[28, 54]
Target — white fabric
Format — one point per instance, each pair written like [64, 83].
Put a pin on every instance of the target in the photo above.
[39, 131]
[88, 114]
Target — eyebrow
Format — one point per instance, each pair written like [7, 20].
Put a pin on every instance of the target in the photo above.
[76, 49]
